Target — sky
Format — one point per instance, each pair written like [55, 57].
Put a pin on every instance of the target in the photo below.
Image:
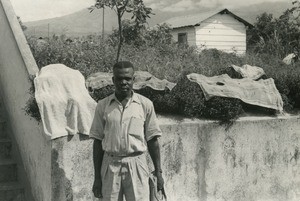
[31, 10]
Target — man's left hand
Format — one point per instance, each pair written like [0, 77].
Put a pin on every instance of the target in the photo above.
[160, 181]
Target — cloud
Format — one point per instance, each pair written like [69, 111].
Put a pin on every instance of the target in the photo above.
[210, 3]
[186, 5]
[30, 10]
[183, 5]
[155, 4]
[149, 1]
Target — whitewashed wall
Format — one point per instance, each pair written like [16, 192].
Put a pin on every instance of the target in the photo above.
[191, 39]
[222, 32]
[17, 65]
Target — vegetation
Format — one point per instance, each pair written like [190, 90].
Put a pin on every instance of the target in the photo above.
[277, 36]
[137, 8]
[154, 51]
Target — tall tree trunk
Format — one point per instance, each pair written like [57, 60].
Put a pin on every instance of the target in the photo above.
[120, 35]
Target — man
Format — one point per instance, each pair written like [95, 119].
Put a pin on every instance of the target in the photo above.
[124, 126]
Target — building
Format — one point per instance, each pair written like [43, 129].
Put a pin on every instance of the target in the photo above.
[222, 30]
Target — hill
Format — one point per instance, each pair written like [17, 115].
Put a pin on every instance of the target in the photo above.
[84, 23]
[79, 23]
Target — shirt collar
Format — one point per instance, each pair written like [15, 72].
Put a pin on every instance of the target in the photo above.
[134, 98]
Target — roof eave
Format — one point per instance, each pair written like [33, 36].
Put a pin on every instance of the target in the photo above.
[185, 26]
[224, 11]
[237, 18]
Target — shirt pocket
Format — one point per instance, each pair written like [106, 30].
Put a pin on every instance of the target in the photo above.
[136, 127]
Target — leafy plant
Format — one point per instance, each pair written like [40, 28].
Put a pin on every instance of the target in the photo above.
[31, 108]
[276, 36]
[137, 8]
[154, 50]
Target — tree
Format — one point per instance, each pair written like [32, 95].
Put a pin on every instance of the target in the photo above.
[296, 9]
[136, 8]
[131, 34]
[278, 36]
[263, 29]
[159, 34]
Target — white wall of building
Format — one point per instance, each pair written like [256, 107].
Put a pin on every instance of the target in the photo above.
[190, 31]
[17, 65]
[222, 32]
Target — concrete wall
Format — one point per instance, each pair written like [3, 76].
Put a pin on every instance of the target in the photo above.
[256, 159]
[72, 169]
[16, 67]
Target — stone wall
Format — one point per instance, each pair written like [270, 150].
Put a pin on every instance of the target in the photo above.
[255, 159]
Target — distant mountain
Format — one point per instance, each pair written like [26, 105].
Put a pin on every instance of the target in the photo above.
[79, 23]
[84, 23]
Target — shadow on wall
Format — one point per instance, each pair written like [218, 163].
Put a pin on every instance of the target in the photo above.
[72, 168]
[61, 185]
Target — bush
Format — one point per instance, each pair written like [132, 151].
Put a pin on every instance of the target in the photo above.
[98, 94]
[192, 103]
[86, 54]
[168, 61]
[31, 108]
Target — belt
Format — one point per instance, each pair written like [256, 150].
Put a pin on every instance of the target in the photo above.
[124, 155]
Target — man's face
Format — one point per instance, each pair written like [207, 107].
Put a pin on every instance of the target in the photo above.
[123, 81]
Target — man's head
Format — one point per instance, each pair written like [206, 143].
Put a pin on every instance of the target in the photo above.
[123, 78]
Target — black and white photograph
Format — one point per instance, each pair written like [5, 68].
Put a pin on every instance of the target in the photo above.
[149, 100]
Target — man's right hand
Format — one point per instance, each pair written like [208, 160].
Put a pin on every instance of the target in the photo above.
[97, 188]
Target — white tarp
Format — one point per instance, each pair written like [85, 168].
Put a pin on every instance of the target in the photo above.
[142, 79]
[65, 105]
[289, 59]
[99, 80]
[145, 79]
[261, 93]
[248, 71]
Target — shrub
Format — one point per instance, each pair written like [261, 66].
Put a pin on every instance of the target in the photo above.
[192, 103]
[31, 108]
[86, 54]
[98, 94]
[168, 61]
[163, 101]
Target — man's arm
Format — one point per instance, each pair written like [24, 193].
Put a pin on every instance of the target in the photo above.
[154, 151]
[97, 158]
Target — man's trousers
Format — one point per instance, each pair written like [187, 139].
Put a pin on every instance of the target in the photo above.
[125, 176]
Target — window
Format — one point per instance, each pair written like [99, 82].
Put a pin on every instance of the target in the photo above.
[182, 38]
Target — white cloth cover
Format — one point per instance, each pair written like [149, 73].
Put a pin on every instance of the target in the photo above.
[289, 59]
[99, 80]
[64, 103]
[145, 79]
[142, 79]
[261, 93]
[247, 71]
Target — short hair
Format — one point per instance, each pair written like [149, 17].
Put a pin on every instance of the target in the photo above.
[123, 64]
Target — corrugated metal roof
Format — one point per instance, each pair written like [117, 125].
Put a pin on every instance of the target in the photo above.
[194, 20]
